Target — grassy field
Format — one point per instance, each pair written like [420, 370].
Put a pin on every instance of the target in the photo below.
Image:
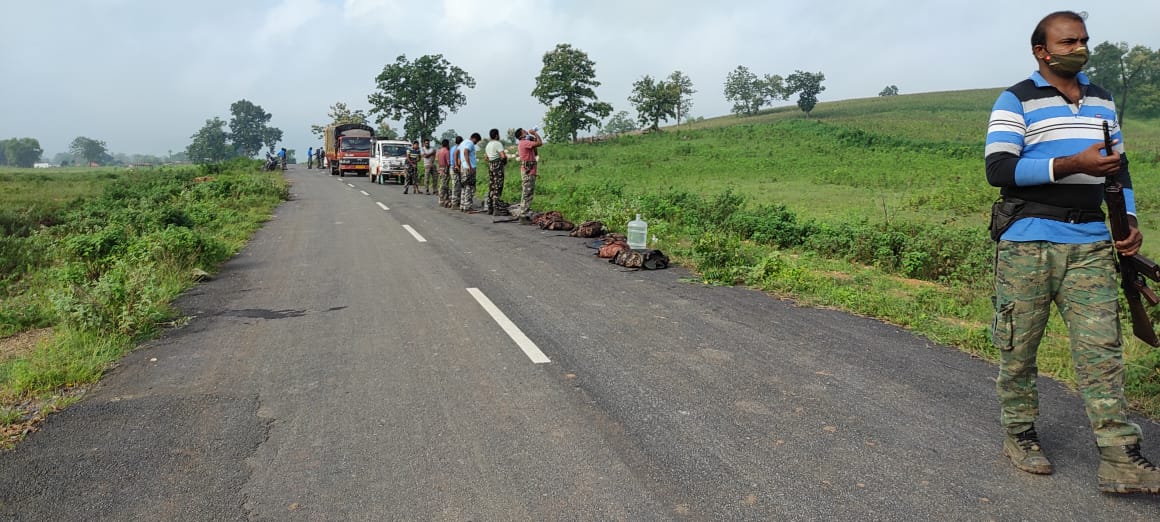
[877, 206]
[90, 260]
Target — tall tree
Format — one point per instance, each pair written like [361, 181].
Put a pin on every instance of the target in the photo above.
[385, 130]
[270, 138]
[339, 114]
[566, 84]
[680, 82]
[1124, 71]
[420, 93]
[448, 135]
[89, 150]
[619, 123]
[807, 86]
[21, 152]
[655, 100]
[744, 89]
[210, 143]
[248, 127]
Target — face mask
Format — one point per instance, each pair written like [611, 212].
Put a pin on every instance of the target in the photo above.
[1068, 64]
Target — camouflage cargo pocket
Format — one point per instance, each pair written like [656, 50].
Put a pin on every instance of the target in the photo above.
[1003, 326]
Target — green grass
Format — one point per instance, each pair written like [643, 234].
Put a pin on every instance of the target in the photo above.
[98, 255]
[877, 206]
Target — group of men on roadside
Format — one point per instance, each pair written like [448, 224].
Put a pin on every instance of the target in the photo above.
[450, 171]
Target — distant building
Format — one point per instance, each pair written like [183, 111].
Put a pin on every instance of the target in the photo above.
[42, 165]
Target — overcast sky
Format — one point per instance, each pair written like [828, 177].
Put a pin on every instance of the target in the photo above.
[144, 75]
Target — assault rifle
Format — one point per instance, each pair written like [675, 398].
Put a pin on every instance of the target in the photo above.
[1133, 269]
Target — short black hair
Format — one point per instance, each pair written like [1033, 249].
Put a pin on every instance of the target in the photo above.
[445, 143]
[476, 136]
[519, 132]
[493, 134]
[458, 140]
[1039, 35]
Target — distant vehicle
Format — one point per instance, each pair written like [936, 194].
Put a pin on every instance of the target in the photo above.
[389, 161]
[42, 165]
[348, 148]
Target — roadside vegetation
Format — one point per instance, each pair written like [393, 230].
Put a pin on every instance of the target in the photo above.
[876, 206]
[90, 260]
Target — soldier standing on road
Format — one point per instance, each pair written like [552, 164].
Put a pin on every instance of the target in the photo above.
[412, 167]
[429, 166]
[1044, 150]
[467, 162]
[496, 160]
[443, 163]
[528, 144]
[456, 174]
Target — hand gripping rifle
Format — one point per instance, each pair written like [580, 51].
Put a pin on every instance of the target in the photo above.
[1133, 269]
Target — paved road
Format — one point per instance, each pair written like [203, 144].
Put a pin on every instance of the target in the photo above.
[340, 369]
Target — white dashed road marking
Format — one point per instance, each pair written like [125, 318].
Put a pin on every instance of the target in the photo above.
[365, 193]
[414, 234]
[381, 205]
[510, 328]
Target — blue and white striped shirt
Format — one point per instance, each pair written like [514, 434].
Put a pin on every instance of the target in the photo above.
[1031, 124]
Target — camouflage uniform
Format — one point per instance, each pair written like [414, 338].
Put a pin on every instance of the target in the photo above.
[1081, 280]
[429, 183]
[444, 189]
[456, 187]
[467, 190]
[494, 182]
[528, 180]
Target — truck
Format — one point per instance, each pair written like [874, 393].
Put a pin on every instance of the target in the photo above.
[348, 148]
[389, 160]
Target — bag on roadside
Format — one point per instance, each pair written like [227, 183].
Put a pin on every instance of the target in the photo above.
[611, 249]
[559, 224]
[589, 229]
[646, 259]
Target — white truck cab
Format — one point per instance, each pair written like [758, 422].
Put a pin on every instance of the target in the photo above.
[388, 160]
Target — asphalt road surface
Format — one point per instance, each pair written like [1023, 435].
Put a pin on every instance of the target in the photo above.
[371, 356]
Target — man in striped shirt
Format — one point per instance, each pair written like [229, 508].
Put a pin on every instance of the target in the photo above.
[1045, 152]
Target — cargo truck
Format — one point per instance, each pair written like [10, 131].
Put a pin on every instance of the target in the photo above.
[348, 148]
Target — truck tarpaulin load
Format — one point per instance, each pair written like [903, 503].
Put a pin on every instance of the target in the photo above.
[348, 148]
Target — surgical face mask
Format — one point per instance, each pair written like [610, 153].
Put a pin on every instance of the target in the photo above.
[1068, 64]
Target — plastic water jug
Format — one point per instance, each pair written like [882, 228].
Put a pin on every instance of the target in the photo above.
[637, 233]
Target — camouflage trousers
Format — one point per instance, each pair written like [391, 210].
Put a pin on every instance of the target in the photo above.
[429, 179]
[467, 190]
[528, 180]
[494, 182]
[412, 174]
[444, 185]
[1081, 280]
[456, 187]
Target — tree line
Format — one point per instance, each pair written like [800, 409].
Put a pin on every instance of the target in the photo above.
[423, 92]
[248, 131]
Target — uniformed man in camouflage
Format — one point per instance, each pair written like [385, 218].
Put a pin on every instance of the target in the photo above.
[1045, 152]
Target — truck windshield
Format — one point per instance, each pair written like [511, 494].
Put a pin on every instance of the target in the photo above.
[356, 144]
[394, 150]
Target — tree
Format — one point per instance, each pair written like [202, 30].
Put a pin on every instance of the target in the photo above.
[448, 135]
[889, 90]
[386, 131]
[249, 127]
[1124, 71]
[339, 114]
[511, 135]
[744, 89]
[684, 87]
[566, 84]
[420, 93]
[807, 86]
[655, 100]
[270, 138]
[21, 152]
[209, 144]
[89, 150]
[619, 123]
